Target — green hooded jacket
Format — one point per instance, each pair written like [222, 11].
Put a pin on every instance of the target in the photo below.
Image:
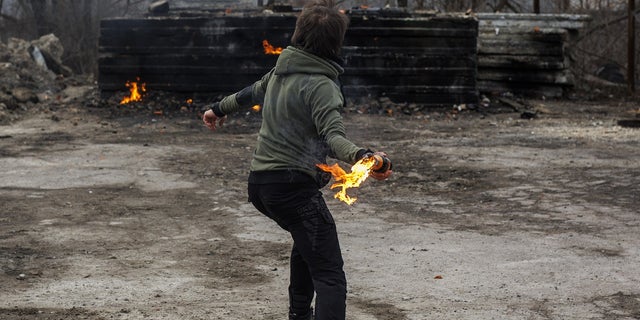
[301, 123]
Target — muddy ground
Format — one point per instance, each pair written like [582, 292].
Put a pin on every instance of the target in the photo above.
[108, 214]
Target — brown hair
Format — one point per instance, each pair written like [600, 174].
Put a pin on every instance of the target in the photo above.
[320, 29]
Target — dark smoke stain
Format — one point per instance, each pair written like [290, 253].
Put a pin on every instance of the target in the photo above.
[619, 306]
[47, 314]
[381, 310]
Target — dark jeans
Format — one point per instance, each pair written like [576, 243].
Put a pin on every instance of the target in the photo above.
[316, 260]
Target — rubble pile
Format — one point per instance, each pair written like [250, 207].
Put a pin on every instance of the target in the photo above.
[32, 76]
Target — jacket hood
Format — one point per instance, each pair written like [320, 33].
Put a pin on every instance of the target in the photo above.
[294, 60]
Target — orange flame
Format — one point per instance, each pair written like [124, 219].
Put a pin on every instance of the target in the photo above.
[344, 181]
[269, 49]
[135, 91]
[256, 108]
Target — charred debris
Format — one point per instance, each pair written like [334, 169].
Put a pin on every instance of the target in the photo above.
[397, 62]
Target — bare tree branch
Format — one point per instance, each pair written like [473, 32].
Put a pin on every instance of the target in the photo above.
[604, 25]
[8, 17]
[515, 7]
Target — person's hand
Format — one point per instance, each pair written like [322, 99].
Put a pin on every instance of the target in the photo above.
[380, 175]
[212, 121]
[385, 172]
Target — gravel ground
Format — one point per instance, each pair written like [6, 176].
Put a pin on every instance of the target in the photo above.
[109, 214]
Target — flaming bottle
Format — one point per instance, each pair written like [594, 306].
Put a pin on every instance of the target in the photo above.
[359, 173]
[380, 164]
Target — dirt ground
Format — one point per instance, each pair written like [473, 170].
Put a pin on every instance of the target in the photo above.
[108, 214]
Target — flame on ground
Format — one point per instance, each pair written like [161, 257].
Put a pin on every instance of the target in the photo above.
[135, 91]
[256, 108]
[269, 49]
[359, 173]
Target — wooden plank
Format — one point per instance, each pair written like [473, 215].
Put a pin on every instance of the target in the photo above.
[195, 38]
[282, 20]
[524, 54]
[519, 43]
[415, 65]
[399, 74]
[526, 89]
[419, 51]
[564, 21]
[231, 49]
[519, 48]
[185, 69]
[436, 89]
[110, 59]
[411, 80]
[518, 63]
[213, 24]
[240, 46]
[351, 61]
[409, 60]
[457, 22]
[522, 36]
[235, 49]
[214, 55]
[179, 37]
[208, 4]
[536, 31]
[374, 40]
[562, 77]
[354, 31]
